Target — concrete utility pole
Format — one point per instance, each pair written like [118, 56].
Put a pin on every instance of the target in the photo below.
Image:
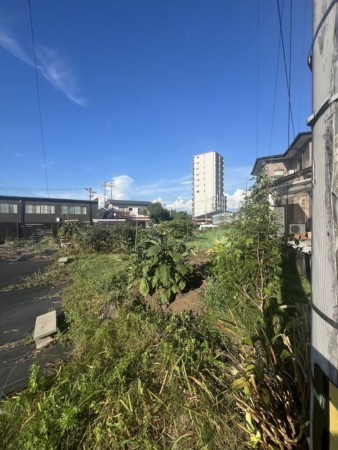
[91, 192]
[324, 123]
[104, 185]
[110, 185]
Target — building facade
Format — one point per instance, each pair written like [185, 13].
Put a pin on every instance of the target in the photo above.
[208, 184]
[292, 176]
[24, 216]
[125, 210]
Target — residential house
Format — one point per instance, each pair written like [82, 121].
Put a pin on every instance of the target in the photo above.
[125, 210]
[292, 179]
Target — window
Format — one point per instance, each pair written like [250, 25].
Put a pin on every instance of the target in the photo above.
[142, 212]
[278, 173]
[47, 209]
[76, 210]
[130, 209]
[8, 208]
[40, 209]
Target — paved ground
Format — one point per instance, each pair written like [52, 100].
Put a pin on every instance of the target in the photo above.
[14, 272]
[18, 311]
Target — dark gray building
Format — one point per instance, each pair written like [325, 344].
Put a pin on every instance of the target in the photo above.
[23, 216]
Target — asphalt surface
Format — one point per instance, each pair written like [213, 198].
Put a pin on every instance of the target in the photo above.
[15, 272]
[18, 311]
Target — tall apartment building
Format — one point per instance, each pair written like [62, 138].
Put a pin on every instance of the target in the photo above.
[208, 184]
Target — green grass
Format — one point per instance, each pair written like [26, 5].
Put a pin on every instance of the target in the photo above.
[205, 240]
[141, 381]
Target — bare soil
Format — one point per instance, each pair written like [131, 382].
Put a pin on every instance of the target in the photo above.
[192, 298]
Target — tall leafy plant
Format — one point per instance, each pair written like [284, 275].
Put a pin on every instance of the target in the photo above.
[270, 376]
[159, 263]
[247, 259]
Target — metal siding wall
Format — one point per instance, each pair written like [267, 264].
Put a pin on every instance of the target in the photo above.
[324, 354]
[324, 288]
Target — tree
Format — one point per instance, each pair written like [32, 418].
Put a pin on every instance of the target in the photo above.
[157, 213]
[247, 260]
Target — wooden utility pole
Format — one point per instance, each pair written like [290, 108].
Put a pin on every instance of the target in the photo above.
[324, 123]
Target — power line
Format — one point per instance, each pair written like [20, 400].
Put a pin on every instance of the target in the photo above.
[285, 68]
[290, 77]
[38, 97]
[275, 95]
[303, 65]
[257, 76]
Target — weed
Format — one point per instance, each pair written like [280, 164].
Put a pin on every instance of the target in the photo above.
[140, 380]
[160, 263]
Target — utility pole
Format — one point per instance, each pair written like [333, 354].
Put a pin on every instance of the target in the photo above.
[324, 334]
[110, 185]
[90, 190]
[104, 185]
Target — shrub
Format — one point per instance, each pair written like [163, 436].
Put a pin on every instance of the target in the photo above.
[116, 239]
[247, 259]
[160, 263]
[270, 377]
[179, 228]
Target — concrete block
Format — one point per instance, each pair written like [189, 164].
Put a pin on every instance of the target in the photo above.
[45, 325]
[43, 342]
[62, 261]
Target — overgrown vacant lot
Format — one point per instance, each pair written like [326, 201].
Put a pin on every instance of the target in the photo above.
[233, 376]
[141, 380]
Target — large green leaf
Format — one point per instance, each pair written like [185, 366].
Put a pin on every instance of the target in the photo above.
[182, 269]
[145, 270]
[181, 284]
[154, 281]
[174, 289]
[164, 274]
[153, 250]
[177, 257]
[144, 287]
[165, 296]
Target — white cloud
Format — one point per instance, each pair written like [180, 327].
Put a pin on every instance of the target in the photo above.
[234, 201]
[180, 204]
[10, 44]
[52, 66]
[174, 186]
[58, 73]
[122, 189]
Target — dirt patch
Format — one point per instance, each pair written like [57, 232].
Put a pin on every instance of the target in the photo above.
[191, 299]
[200, 259]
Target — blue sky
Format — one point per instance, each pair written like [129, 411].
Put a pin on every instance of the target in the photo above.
[130, 90]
